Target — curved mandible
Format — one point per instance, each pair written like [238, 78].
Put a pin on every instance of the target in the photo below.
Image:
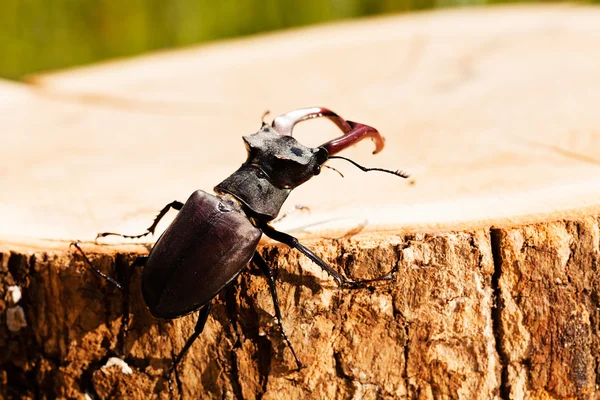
[285, 123]
[355, 135]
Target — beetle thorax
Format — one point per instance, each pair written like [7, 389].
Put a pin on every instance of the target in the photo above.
[276, 164]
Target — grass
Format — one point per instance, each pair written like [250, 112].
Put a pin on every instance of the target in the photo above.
[41, 35]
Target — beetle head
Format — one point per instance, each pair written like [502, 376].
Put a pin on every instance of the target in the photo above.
[286, 162]
[277, 163]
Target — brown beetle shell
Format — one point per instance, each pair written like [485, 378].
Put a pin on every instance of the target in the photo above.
[205, 248]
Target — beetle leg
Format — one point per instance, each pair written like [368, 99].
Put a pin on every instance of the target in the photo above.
[94, 269]
[140, 261]
[202, 317]
[176, 205]
[294, 243]
[270, 275]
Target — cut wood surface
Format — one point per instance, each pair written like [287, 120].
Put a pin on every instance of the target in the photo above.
[495, 239]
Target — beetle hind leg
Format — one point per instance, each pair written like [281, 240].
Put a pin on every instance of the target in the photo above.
[94, 269]
[176, 205]
[270, 275]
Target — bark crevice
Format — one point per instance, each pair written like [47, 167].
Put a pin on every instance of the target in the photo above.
[497, 308]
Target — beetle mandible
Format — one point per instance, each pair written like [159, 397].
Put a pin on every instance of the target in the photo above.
[214, 237]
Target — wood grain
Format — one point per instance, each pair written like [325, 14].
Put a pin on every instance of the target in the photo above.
[495, 239]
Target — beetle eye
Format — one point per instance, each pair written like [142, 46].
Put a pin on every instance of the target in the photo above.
[322, 155]
[317, 170]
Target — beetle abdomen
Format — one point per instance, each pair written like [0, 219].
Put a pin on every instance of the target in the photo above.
[206, 246]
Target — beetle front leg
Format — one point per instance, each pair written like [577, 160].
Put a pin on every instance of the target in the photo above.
[176, 205]
[270, 275]
[339, 278]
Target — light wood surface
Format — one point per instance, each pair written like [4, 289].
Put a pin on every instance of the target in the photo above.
[494, 112]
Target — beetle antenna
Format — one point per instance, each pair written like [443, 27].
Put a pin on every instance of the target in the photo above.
[267, 112]
[327, 166]
[399, 173]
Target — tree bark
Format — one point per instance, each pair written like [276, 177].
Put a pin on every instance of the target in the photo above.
[498, 313]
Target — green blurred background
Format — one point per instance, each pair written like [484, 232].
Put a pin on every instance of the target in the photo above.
[41, 35]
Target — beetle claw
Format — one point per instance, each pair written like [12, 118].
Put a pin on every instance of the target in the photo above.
[352, 284]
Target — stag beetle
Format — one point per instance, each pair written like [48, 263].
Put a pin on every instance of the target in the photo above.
[214, 237]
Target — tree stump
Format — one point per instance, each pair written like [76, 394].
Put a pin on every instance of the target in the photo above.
[495, 241]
